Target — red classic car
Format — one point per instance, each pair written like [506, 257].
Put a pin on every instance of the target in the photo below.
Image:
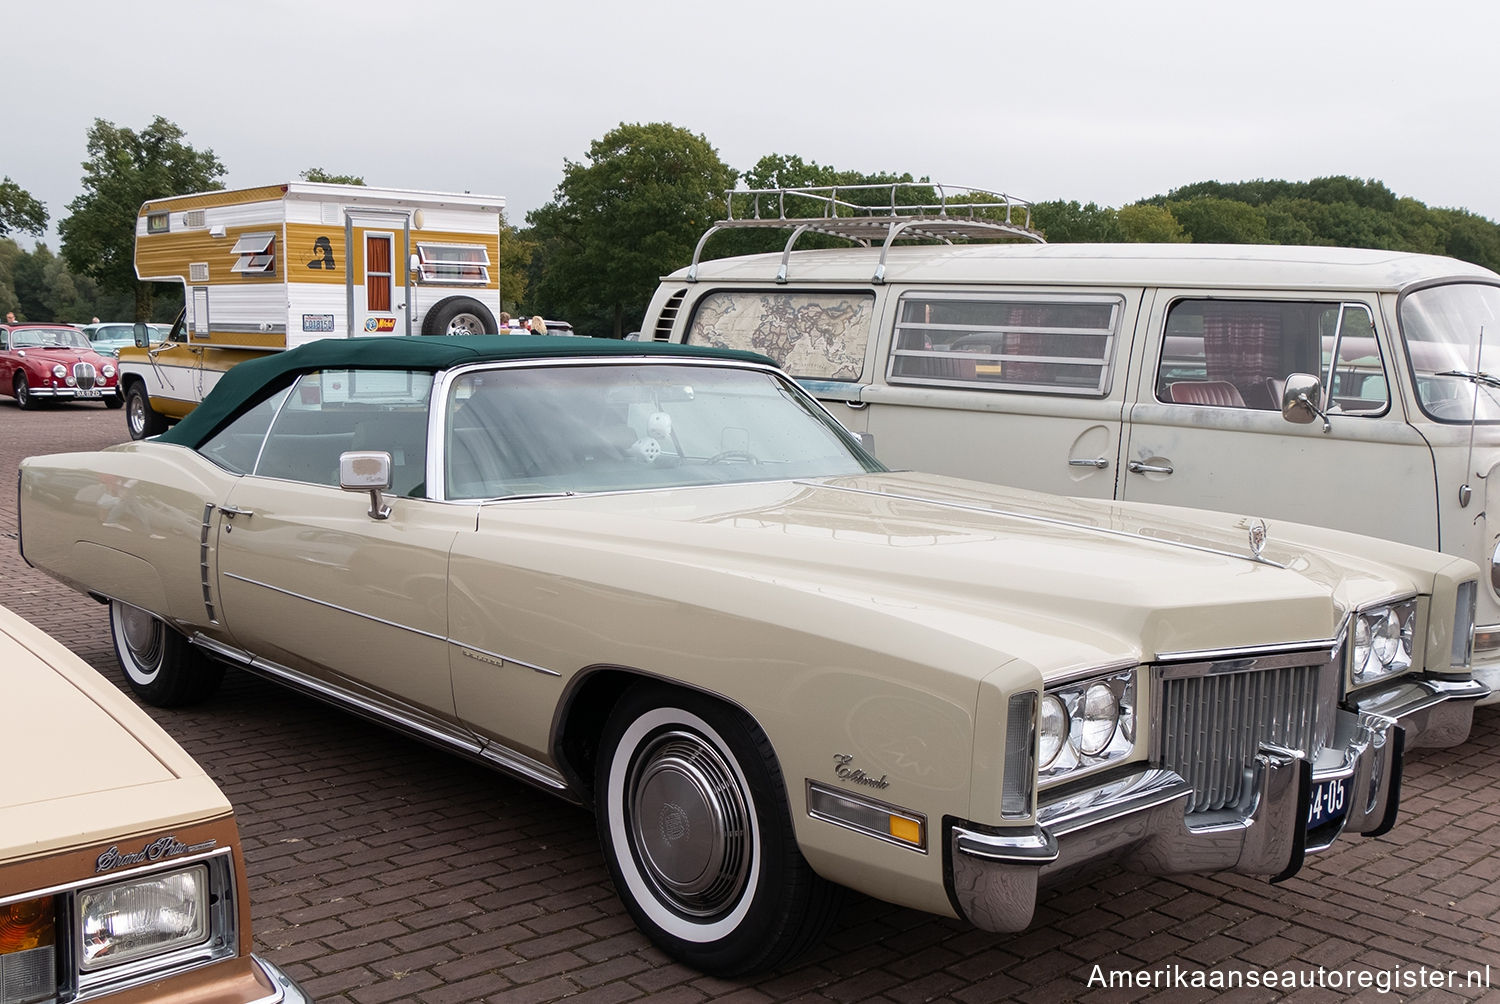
[39, 362]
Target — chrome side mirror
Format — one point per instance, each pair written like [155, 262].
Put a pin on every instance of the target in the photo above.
[367, 471]
[1302, 400]
[142, 333]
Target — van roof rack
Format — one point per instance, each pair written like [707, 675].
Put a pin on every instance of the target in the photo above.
[863, 214]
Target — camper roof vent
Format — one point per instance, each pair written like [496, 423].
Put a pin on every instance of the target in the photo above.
[194, 219]
[198, 271]
[668, 317]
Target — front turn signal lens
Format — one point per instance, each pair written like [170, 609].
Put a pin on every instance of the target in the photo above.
[28, 924]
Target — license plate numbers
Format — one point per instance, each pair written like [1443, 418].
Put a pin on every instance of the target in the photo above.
[1329, 801]
[88, 393]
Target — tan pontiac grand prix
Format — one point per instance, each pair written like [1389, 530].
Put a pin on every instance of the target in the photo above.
[661, 581]
[121, 877]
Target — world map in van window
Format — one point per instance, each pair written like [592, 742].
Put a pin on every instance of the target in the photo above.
[817, 336]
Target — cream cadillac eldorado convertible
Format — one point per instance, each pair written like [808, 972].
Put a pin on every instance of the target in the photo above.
[662, 582]
[121, 874]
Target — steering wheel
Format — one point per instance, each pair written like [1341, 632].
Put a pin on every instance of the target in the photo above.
[734, 456]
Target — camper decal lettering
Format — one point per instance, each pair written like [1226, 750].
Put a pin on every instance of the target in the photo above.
[380, 324]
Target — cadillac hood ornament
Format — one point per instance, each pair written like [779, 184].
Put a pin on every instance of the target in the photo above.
[1259, 534]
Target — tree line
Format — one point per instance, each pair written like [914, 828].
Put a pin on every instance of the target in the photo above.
[634, 208]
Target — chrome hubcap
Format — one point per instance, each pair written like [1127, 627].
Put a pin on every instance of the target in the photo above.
[137, 413]
[142, 636]
[690, 824]
[465, 324]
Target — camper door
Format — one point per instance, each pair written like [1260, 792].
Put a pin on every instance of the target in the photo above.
[379, 294]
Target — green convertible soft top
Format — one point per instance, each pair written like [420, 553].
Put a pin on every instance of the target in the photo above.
[249, 382]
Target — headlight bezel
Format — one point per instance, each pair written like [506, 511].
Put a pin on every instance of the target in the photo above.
[190, 886]
[1075, 753]
[1383, 641]
[222, 940]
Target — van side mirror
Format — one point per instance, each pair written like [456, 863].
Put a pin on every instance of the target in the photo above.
[367, 471]
[1302, 400]
[142, 332]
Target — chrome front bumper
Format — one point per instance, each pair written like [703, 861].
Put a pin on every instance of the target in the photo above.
[1141, 820]
[287, 991]
[72, 393]
[1435, 714]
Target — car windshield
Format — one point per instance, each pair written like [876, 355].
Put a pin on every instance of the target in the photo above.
[615, 427]
[1445, 327]
[48, 338]
[113, 333]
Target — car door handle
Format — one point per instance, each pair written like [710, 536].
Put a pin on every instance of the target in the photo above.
[1139, 467]
[1098, 462]
[232, 512]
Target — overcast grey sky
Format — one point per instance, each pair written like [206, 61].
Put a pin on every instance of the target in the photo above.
[1097, 101]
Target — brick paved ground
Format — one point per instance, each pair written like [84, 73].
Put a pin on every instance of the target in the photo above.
[383, 870]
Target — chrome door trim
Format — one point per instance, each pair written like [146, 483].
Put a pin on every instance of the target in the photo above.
[411, 720]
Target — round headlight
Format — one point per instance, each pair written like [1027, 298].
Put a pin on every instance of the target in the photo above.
[1495, 567]
[108, 370]
[1387, 637]
[1054, 729]
[1408, 630]
[59, 371]
[1098, 714]
[1362, 644]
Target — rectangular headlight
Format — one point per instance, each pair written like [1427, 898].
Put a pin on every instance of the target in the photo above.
[141, 917]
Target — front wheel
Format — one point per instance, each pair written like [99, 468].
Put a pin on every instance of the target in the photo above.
[160, 665]
[27, 400]
[140, 418]
[115, 400]
[692, 813]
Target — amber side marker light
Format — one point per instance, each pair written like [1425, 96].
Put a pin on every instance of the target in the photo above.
[26, 925]
[28, 932]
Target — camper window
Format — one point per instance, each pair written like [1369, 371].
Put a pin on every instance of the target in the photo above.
[453, 263]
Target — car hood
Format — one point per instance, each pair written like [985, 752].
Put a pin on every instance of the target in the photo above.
[67, 357]
[1106, 580]
[85, 766]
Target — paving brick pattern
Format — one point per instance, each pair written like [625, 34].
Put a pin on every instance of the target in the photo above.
[382, 870]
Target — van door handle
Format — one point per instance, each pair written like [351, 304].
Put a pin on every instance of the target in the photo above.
[1138, 467]
[232, 512]
[1098, 462]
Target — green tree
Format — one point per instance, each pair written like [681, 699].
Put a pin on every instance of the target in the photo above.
[125, 169]
[20, 211]
[1143, 223]
[515, 264]
[327, 177]
[1073, 223]
[621, 220]
[1209, 220]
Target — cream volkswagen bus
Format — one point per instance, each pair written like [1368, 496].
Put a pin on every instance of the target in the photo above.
[1358, 389]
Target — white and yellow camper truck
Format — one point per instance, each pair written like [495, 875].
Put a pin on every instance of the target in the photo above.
[267, 269]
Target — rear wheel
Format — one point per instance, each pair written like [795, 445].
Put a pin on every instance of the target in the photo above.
[24, 397]
[160, 665]
[140, 418]
[692, 813]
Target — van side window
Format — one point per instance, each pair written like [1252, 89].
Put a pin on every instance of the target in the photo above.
[1238, 354]
[819, 336]
[1017, 342]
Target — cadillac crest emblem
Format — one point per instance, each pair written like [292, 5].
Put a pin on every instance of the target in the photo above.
[1259, 533]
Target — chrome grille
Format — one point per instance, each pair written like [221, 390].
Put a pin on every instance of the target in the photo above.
[84, 375]
[1213, 725]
